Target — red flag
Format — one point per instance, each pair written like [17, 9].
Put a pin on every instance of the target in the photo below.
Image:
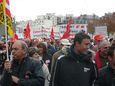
[8, 8]
[67, 32]
[0, 1]
[52, 34]
[15, 37]
[27, 31]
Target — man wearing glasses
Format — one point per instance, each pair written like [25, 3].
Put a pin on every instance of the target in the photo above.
[101, 54]
[22, 71]
[107, 74]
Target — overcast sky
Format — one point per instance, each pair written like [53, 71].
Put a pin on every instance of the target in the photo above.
[30, 9]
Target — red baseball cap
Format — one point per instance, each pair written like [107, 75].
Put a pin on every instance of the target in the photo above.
[98, 37]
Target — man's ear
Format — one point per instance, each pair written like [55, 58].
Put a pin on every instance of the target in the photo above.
[25, 51]
[77, 44]
[110, 59]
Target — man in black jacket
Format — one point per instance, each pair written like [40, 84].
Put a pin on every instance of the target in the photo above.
[77, 68]
[107, 74]
[22, 71]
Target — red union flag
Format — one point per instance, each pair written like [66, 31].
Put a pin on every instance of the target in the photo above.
[27, 31]
[67, 32]
[15, 37]
[7, 8]
[0, 1]
[52, 34]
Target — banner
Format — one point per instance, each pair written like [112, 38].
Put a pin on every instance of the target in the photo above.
[4, 7]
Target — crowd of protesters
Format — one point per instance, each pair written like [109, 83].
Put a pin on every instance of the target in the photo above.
[81, 61]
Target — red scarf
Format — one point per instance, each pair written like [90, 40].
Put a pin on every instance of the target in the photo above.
[97, 60]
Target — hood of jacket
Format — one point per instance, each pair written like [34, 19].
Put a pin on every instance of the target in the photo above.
[80, 57]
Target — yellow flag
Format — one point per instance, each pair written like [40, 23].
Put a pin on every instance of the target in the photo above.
[4, 7]
[9, 26]
[1, 12]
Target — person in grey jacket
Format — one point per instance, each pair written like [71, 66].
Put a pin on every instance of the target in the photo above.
[64, 45]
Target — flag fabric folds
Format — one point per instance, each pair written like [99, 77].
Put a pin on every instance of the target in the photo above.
[4, 8]
[27, 31]
[67, 32]
[15, 37]
[52, 34]
[1, 12]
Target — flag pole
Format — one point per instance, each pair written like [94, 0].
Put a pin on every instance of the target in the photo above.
[6, 33]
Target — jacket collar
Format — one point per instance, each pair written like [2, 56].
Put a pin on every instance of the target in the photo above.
[79, 57]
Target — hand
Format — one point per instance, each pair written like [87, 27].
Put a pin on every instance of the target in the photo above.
[4, 51]
[15, 79]
[7, 65]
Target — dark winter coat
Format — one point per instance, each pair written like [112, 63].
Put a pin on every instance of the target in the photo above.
[106, 77]
[29, 73]
[74, 70]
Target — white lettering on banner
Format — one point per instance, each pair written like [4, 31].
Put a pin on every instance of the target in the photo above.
[36, 31]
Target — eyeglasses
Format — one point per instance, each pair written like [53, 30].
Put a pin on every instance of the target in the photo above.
[16, 49]
[113, 40]
[106, 47]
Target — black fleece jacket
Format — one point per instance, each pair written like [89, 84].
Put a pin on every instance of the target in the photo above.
[74, 70]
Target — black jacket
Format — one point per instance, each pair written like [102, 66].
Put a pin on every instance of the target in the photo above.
[74, 70]
[29, 72]
[47, 56]
[106, 77]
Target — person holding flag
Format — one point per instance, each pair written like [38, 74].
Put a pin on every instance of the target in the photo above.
[22, 70]
[6, 20]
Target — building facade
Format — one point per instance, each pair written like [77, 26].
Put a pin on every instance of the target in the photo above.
[42, 25]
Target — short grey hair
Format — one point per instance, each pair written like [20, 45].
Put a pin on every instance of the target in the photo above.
[104, 42]
[23, 44]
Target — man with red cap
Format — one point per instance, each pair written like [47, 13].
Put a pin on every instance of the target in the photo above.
[97, 39]
[101, 54]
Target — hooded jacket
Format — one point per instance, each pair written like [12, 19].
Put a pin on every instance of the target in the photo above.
[74, 70]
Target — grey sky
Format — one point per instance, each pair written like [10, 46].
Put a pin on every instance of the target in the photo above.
[30, 9]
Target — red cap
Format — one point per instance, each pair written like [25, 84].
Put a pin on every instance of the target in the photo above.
[98, 37]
